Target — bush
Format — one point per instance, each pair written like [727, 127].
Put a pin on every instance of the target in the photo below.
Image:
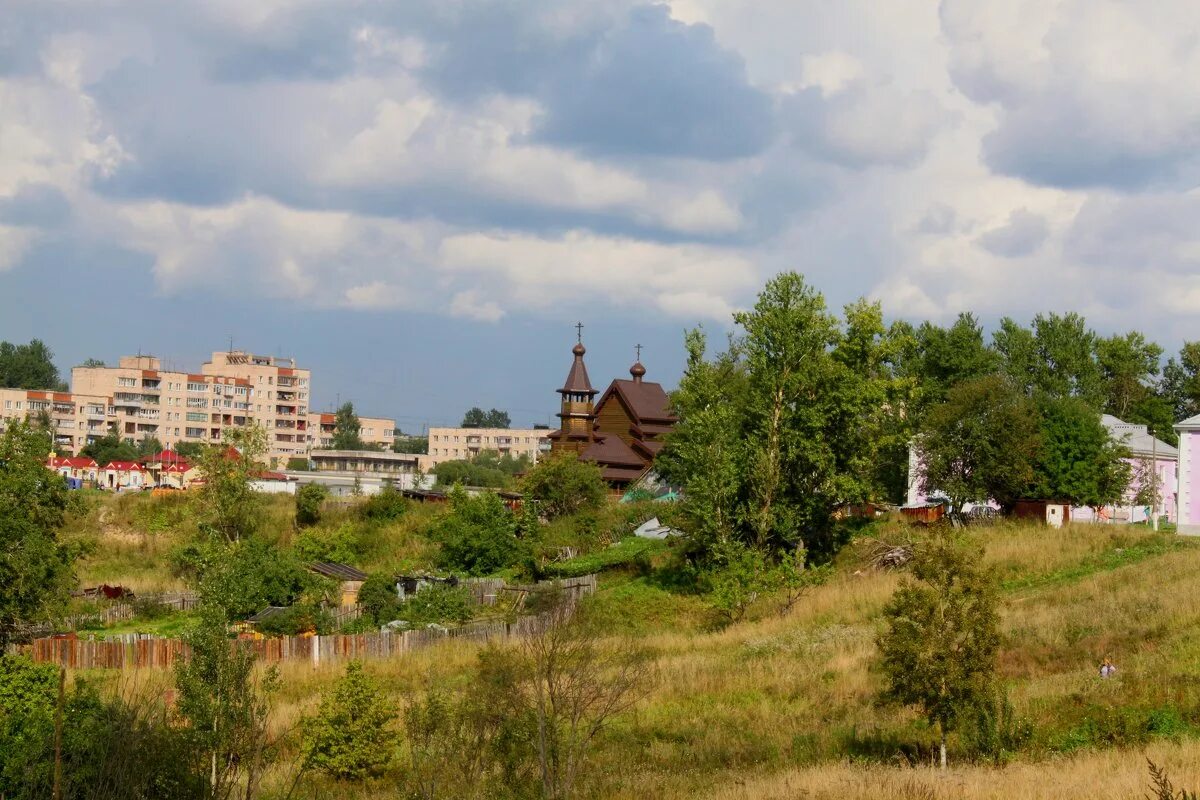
[351, 737]
[377, 597]
[478, 536]
[298, 464]
[384, 506]
[297, 619]
[308, 504]
[119, 743]
[341, 545]
[562, 484]
[437, 603]
[246, 576]
[631, 552]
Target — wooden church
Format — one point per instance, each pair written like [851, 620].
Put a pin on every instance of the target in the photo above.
[623, 432]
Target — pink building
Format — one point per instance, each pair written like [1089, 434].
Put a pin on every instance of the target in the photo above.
[1189, 475]
[1150, 456]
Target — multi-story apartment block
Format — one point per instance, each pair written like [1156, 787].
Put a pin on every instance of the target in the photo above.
[76, 419]
[232, 389]
[280, 392]
[374, 431]
[452, 444]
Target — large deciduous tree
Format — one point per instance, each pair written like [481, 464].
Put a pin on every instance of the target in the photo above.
[29, 366]
[347, 429]
[980, 443]
[785, 425]
[35, 568]
[1077, 460]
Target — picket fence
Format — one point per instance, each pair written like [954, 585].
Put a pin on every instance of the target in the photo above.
[139, 651]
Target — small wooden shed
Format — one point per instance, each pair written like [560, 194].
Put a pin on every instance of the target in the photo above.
[1054, 513]
[350, 579]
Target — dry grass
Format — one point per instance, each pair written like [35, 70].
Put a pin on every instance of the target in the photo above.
[783, 706]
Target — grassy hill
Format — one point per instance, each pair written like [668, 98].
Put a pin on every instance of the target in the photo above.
[783, 705]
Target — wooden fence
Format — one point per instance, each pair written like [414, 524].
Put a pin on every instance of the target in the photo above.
[137, 651]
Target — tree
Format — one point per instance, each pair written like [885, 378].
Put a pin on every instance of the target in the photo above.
[478, 418]
[468, 473]
[1180, 386]
[1077, 460]
[227, 504]
[245, 576]
[562, 484]
[346, 429]
[351, 737]
[574, 689]
[410, 444]
[479, 535]
[109, 448]
[309, 498]
[92, 363]
[29, 366]
[705, 451]
[149, 446]
[1128, 365]
[192, 450]
[938, 651]
[979, 444]
[949, 356]
[1056, 359]
[35, 568]
[226, 703]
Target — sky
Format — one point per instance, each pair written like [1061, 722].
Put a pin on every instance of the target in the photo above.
[418, 200]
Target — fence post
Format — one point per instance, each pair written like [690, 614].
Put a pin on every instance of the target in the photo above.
[316, 651]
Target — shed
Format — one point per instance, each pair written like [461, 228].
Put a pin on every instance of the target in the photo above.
[409, 585]
[350, 579]
[1054, 513]
[924, 513]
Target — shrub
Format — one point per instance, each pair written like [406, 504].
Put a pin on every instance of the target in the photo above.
[244, 577]
[437, 603]
[351, 737]
[118, 743]
[308, 504]
[298, 464]
[341, 545]
[384, 506]
[631, 552]
[377, 597]
[297, 619]
[478, 536]
[562, 484]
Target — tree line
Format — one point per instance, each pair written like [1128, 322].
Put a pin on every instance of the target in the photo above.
[806, 410]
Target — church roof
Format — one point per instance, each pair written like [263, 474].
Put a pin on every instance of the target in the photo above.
[577, 379]
[612, 451]
[647, 402]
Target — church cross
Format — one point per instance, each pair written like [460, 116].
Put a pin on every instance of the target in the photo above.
[579, 332]
[639, 351]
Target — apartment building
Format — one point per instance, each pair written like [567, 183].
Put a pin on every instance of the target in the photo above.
[280, 396]
[451, 444]
[232, 389]
[76, 419]
[374, 431]
[171, 406]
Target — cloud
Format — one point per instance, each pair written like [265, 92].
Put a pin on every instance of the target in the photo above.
[655, 86]
[35, 204]
[861, 125]
[579, 269]
[1022, 234]
[1087, 93]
